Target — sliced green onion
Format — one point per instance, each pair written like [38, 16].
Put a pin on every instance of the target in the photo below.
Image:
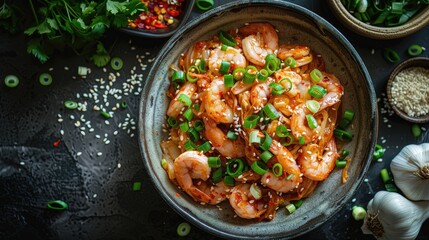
[217, 175]
[416, 130]
[137, 186]
[234, 168]
[358, 213]
[263, 75]
[83, 71]
[214, 162]
[301, 140]
[227, 39]
[184, 127]
[229, 181]
[254, 137]
[271, 111]
[390, 187]
[312, 105]
[266, 156]
[289, 177]
[228, 80]
[288, 140]
[231, 135]
[290, 61]
[204, 147]
[70, 104]
[379, 151]
[255, 190]
[281, 131]
[343, 135]
[172, 122]
[45, 79]
[183, 229]
[317, 91]
[164, 164]
[272, 64]
[105, 114]
[201, 64]
[362, 6]
[196, 106]
[193, 134]
[289, 84]
[316, 75]
[198, 125]
[223, 47]
[250, 74]
[344, 153]
[124, 104]
[178, 76]
[58, 205]
[346, 119]
[185, 99]
[259, 167]
[251, 121]
[290, 208]
[267, 142]
[189, 145]
[116, 63]
[384, 174]
[340, 163]
[297, 203]
[276, 89]
[311, 121]
[224, 67]
[391, 55]
[188, 114]
[192, 70]
[277, 169]
[415, 50]
[238, 74]
[11, 81]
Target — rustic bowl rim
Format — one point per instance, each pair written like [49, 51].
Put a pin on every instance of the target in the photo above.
[384, 33]
[412, 62]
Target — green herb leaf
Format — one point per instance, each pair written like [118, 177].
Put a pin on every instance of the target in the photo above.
[101, 57]
[35, 48]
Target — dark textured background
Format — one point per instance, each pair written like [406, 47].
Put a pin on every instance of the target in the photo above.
[99, 188]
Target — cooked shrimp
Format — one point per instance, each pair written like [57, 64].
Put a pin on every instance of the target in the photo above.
[244, 204]
[225, 146]
[259, 95]
[215, 107]
[176, 106]
[295, 79]
[298, 124]
[231, 55]
[291, 176]
[316, 166]
[200, 49]
[334, 88]
[261, 39]
[300, 53]
[192, 165]
[217, 192]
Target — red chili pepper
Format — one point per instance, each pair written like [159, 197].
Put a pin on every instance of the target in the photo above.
[173, 12]
[57, 143]
[159, 25]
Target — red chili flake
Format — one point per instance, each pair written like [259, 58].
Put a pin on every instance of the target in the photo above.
[57, 143]
[177, 194]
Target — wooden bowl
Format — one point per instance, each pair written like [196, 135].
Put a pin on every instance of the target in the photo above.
[413, 62]
[414, 24]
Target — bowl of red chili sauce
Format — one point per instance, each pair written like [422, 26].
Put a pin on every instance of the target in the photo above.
[162, 18]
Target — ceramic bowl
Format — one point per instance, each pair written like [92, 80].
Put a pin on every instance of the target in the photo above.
[417, 22]
[413, 62]
[164, 32]
[295, 25]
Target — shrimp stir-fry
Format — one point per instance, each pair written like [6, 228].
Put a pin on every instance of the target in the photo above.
[240, 123]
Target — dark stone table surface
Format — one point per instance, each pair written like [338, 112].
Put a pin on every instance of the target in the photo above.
[95, 172]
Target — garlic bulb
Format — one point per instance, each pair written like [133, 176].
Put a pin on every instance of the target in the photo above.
[410, 170]
[392, 216]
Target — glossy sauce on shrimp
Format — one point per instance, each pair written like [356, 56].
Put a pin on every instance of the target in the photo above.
[251, 120]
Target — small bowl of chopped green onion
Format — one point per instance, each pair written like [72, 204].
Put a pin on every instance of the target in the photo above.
[382, 19]
[407, 90]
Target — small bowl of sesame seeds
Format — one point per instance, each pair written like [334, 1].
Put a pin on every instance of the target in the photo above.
[162, 18]
[407, 90]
